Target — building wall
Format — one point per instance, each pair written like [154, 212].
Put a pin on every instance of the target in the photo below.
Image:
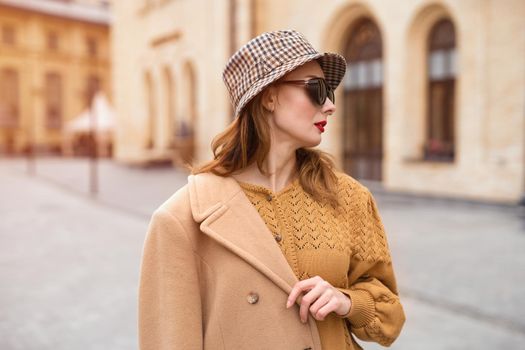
[489, 92]
[32, 58]
[153, 40]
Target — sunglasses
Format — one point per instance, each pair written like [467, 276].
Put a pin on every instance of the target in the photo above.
[317, 88]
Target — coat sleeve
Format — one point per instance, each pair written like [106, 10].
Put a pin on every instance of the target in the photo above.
[169, 295]
[376, 313]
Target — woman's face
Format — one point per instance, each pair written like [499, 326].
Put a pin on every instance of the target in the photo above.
[294, 118]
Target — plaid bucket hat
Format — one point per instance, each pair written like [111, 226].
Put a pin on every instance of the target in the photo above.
[268, 57]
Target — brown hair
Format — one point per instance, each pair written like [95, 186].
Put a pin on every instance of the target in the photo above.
[247, 140]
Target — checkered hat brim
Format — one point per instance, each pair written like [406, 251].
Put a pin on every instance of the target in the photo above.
[270, 56]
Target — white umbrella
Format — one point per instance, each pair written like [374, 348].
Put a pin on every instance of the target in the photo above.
[103, 115]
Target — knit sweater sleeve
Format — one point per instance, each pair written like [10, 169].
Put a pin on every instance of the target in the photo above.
[376, 313]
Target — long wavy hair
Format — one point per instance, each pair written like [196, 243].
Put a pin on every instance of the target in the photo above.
[247, 140]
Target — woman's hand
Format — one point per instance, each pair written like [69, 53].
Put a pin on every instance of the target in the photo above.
[323, 295]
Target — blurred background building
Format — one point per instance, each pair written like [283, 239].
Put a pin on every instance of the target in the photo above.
[433, 101]
[54, 57]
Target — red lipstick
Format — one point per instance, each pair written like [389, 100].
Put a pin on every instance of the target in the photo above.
[321, 125]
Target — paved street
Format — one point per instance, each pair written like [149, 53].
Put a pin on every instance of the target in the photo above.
[69, 261]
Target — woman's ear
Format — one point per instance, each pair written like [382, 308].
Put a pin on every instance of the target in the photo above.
[269, 98]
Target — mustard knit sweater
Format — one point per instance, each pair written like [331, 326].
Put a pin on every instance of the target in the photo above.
[347, 247]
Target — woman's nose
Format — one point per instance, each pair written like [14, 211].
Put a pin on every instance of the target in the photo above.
[328, 107]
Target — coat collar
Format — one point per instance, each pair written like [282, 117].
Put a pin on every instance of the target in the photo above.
[226, 215]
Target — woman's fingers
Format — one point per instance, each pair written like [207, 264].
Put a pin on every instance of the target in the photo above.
[320, 298]
[318, 309]
[326, 309]
[310, 298]
[301, 286]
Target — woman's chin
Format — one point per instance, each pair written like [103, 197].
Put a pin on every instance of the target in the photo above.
[314, 142]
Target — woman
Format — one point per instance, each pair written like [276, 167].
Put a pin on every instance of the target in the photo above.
[268, 247]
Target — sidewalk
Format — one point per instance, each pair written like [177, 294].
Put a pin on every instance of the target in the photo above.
[133, 189]
[69, 261]
[69, 268]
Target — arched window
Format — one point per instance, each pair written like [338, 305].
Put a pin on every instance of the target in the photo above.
[169, 106]
[363, 106]
[9, 98]
[187, 125]
[441, 73]
[53, 100]
[150, 110]
[191, 96]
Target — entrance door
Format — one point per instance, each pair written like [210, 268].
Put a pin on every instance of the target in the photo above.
[363, 107]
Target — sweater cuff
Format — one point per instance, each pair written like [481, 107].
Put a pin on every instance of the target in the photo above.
[362, 310]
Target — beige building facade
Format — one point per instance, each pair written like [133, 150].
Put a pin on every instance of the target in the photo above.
[433, 101]
[54, 55]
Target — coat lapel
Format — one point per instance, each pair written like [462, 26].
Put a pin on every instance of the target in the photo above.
[226, 215]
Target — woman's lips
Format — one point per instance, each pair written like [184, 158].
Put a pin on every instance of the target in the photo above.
[320, 125]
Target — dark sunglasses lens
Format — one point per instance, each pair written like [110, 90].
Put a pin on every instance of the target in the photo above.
[331, 95]
[314, 88]
[327, 92]
[321, 92]
[317, 91]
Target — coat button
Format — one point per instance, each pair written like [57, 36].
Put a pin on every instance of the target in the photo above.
[269, 197]
[252, 298]
[278, 237]
[308, 348]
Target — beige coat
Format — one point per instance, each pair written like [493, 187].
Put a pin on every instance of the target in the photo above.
[212, 276]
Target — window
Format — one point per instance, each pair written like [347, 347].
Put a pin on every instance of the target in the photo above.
[8, 35]
[9, 98]
[53, 94]
[52, 41]
[91, 47]
[441, 73]
[365, 70]
[150, 110]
